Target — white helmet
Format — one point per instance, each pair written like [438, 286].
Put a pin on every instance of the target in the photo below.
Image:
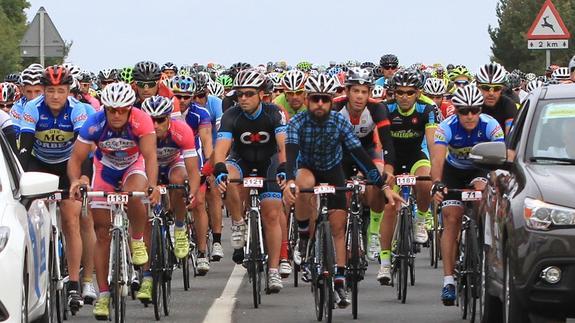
[434, 86]
[169, 82]
[467, 96]
[294, 80]
[216, 89]
[158, 106]
[32, 75]
[322, 83]
[377, 91]
[276, 79]
[249, 78]
[533, 85]
[492, 73]
[118, 95]
[74, 70]
[561, 74]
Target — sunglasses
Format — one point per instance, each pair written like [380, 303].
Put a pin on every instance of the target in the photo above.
[159, 120]
[200, 95]
[291, 93]
[143, 84]
[489, 88]
[278, 91]
[434, 96]
[465, 110]
[120, 111]
[517, 89]
[461, 83]
[402, 93]
[389, 67]
[247, 94]
[318, 98]
[6, 105]
[182, 97]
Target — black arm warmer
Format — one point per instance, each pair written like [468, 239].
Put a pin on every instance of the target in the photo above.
[367, 166]
[292, 151]
[387, 145]
[26, 144]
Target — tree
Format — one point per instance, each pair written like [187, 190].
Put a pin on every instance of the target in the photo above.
[510, 36]
[12, 27]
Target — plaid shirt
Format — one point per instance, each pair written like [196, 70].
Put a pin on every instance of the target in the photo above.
[320, 144]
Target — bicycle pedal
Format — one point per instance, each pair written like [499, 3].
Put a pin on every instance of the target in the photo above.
[216, 258]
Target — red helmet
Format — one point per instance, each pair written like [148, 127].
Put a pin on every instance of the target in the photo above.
[56, 75]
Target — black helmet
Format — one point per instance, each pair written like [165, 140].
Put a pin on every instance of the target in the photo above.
[12, 78]
[147, 71]
[513, 80]
[407, 77]
[170, 66]
[388, 60]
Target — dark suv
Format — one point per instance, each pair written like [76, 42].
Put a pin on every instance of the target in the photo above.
[528, 212]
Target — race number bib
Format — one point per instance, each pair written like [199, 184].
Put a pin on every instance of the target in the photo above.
[405, 180]
[254, 182]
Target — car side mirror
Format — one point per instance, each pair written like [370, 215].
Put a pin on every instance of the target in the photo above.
[35, 184]
[489, 154]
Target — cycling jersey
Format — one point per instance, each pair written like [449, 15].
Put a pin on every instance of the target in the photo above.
[447, 109]
[408, 129]
[197, 118]
[178, 143]
[117, 150]
[16, 113]
[254, 136]
[91, 101]
[282, 102]
[214, 107]
[459, 141]
[54, 135]
[504, 112]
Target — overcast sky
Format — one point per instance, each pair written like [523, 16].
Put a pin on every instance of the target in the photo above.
[118, 33]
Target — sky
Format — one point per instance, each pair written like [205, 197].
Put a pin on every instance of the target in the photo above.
[118, 33]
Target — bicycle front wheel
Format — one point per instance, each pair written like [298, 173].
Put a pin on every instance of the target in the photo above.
[157, 269]
[118, 300]
[328, 270]
[404, 252]
[254, 256]
[473, 264]
[354, 264]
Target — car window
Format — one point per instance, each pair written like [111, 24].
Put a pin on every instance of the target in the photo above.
[553, 130]
[12, 163]
[518, 125]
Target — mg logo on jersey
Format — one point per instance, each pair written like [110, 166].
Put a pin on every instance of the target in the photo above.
[261, 137]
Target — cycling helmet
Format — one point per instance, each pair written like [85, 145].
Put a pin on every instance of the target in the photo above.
[75, 87]
[388, 59]
[513, 81]
[249, 78]
[107, 75]
[118, 95]
[533, 85]
[457, 71]
[8, 92]
[434, 86]
[449, 67]
[334, 70]
[183, 84]
[126, 75]
[85, 77]
[74, 70]
[551, 68]
[186, 70]
[12, 78]
[216, 89]
[158, 106]
[168, 82]
[170, 66]
[321, 84]
[377, 72]
[407, 77]
[146, 71]
[293, 80]
[467, 96]
[31, 76]
[377, 91]
[201, 83]
[268, 87]
[276, 80]
[56, 75]
[530, 77]
[492, 73]
[561, 74]
[358, 76]
[367, 65]
[225, 80]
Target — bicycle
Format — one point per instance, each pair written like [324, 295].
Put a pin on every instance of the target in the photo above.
[120, 269]
[254, 249]
[435, 238]
[403, 256]
[293, 238]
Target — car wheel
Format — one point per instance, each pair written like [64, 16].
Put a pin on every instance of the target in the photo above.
[512, 310]
[25, 294]
[490, 306]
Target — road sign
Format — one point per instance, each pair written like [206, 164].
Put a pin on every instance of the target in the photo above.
[42, 39]
[548, 44]
[548, 24]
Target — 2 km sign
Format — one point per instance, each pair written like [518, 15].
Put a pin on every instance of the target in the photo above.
[548, 30]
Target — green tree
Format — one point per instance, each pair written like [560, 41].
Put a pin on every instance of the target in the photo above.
[12, 27]
[510, 36]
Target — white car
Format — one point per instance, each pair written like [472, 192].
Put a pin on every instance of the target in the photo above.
[25, 227]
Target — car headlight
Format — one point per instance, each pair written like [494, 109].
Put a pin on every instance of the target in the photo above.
[540, 215]
[4, 235]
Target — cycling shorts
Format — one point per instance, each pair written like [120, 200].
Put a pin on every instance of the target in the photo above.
[107, 179]
[456, 178]
[266, 169]
[336, 177]
[166, 171]
[411, 163]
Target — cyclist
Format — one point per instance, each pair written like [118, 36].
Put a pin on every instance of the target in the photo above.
[459, 76]
[30, 80]
[370, 124]
[178, 161]
[255, 132]
[8, 95]
[126, 153]
[169, 69]
[107, 76]
[293, 98]
[435, 89]
[147, 80]
[126, 75]
[49, 126]
[388, 65]
[276, 79]
[412, 125]
[315, 142]
[454, 138]
[227, 81]
[85, 80]
[491, 80]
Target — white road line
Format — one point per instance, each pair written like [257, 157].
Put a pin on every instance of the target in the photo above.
[223, 306]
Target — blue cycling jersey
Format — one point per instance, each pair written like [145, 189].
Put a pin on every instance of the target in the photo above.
[16, 113]
[54, 134]
[196, 118]
[214, 107]
[459, 141]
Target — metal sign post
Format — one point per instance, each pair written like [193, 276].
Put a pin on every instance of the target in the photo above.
[548, 31]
